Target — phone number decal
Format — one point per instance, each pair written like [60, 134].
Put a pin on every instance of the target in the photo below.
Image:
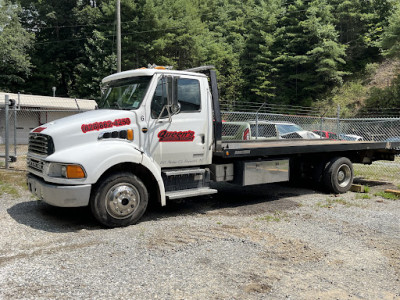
[96, 126]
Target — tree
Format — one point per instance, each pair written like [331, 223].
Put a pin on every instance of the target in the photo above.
[309, 55]
[58, 45]
[390, 41]
[360, 25]
[257, 58]
[15, 41]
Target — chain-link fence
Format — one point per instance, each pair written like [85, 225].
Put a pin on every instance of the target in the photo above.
[268, 125]
[253, 122]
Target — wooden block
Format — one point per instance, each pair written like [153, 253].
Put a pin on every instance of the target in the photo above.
[395, 192]
[358, 188]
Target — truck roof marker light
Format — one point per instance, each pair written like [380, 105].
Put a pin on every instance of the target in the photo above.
[75, 172]
[129, 135]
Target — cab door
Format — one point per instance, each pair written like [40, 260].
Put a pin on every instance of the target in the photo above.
[181, 138]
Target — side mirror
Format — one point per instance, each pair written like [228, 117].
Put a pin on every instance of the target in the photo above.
[169, 94]
[172, 87]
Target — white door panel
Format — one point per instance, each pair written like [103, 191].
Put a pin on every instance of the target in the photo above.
[182, 139]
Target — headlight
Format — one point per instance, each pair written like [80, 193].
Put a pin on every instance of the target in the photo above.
[69, 171]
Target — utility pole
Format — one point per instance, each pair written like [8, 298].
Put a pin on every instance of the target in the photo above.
[118, 36]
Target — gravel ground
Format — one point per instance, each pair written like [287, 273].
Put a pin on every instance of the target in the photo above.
[268, 242]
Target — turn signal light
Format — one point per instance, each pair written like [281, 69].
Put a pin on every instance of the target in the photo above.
[129, 135]
[75, 172]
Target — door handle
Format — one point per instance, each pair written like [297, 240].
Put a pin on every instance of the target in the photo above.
[202, 138]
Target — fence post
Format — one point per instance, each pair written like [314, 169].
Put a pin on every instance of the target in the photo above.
[6, 141]
[338, 120]
[15, 107]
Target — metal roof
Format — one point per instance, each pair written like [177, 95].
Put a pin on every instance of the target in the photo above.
[45, 102]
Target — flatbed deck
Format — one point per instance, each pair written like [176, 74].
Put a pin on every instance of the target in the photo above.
[236, 149]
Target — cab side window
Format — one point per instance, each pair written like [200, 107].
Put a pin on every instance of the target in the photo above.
[159, 100]
[189, 94]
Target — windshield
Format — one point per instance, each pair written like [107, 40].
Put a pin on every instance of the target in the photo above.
[124, 93]
[287, 128]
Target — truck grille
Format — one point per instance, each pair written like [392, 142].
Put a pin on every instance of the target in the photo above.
[40, 144]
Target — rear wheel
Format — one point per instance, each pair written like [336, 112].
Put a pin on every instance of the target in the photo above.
[119, 200]
[338, 175]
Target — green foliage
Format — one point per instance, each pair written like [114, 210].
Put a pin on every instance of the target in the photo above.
[276, 51]
[386, 97]
[15, 64]
[390, 41]
[309, 55]
[349, 97]
[363, 196]
[257, 57]
[387, 195]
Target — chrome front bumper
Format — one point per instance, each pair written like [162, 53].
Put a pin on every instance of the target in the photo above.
[59, 195]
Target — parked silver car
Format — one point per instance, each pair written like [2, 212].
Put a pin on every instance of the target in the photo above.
[280, 130]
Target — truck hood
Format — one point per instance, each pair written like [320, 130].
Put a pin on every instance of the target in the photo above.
[86, 127]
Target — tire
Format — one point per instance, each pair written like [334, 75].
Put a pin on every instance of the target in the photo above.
[119, 200]
[338, 175]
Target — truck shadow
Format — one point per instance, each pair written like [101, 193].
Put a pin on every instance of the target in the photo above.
[41, 216]
[231, 200]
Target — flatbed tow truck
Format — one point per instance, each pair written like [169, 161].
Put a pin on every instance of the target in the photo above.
[158, 137]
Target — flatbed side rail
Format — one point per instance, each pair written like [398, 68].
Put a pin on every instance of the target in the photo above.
[285, 147]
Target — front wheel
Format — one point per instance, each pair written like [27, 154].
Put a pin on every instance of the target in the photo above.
[338, 175]
[119, 200]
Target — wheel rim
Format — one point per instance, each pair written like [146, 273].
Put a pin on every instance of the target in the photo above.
[122, 200]
[344, 175]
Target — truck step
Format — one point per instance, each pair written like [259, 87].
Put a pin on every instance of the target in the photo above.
[190, 193]
[186, 179]
[184, 172]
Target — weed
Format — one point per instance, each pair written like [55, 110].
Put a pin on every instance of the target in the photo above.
[12, 182]
[276, 217]
[6, 188]
[386, 195]
[329, 203]
[363, 196]
[366, 189]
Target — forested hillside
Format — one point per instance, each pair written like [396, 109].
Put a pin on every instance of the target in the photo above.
[296, 52]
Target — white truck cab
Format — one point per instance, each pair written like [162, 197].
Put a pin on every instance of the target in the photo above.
[148, 120]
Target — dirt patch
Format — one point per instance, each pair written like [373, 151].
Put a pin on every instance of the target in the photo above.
[385, 73]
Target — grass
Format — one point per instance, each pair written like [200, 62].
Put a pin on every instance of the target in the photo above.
[388, 196]
[380, 171]
[330, 203]
[8, 189]
[12, 182]
[363, 196]
[276, 217]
